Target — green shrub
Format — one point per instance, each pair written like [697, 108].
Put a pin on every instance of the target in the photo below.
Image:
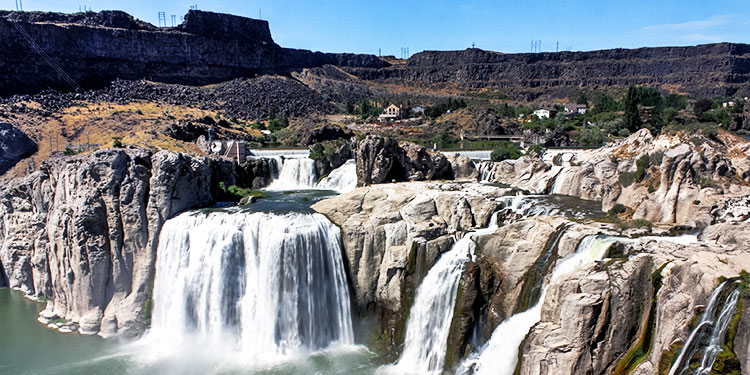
[616, 210]
[505, 150]
[642, 165]
[592, 136]
[626, 178]
[117, 142]
[316, 152]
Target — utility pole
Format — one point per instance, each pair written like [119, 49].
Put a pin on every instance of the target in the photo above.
[19, 5]
[162, 19]
[557, 48]
[260, 15]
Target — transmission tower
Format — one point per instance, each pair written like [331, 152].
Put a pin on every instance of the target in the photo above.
[162, 19]
[174, 20]
[19, 5]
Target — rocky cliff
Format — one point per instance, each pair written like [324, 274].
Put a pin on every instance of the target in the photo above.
[82, 232]
[704, 70]
[97, 48]
[629, 313]
[682, 178]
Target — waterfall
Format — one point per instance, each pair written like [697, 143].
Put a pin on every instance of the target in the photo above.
[710, 322]
[430, 317]
[260, 286]
[300, 174]
[500, 355]
[296, 174]
[342, 179]
[485, 169]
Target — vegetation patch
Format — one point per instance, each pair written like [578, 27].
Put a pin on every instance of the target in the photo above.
[641, 349]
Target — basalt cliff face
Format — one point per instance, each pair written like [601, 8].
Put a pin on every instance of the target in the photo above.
[97, 48]
[704, 70]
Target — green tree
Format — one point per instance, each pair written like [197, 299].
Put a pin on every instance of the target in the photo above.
[591, 136]
[632, 120]
[604, 103]
[505, 150]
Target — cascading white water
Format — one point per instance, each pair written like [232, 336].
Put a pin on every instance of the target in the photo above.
[300, 174]
[500, 354]
[342, 179]
[296, 174]
[430, 317]
[257, 285]
[718, 326]
[485, 169]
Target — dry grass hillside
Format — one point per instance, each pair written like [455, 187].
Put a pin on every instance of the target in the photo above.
[85, 126]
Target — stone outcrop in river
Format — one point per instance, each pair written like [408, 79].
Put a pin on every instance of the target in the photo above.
[383, 159]
[82, 232]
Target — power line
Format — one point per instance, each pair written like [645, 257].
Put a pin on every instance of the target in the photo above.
[46, 58]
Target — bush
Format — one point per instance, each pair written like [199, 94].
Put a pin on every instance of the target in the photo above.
[537, 149]
[626, 178]
[316, 152]
[591, 136]
[616, 210]
[117, 142]
[505, 150]
[642, 165]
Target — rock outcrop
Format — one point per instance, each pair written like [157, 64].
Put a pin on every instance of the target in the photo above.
[382, 159]
[669, 179]
[82, 232]
[392, 234]
[14, 146]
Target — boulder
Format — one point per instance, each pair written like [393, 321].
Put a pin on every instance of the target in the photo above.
[14, 146]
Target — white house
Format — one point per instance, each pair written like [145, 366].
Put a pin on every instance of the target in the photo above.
[542, 113]
[391, 113]
[575, 108]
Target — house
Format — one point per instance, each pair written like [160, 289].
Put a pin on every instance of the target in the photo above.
[236, 150]
[728, 104]
[392, 113]
[575, 108]
[543, 113]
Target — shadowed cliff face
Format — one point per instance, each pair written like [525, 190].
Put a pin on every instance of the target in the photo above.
[97, 48]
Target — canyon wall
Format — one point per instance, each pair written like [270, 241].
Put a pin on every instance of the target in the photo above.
[97, 48]
[82, 232]
[705, 70]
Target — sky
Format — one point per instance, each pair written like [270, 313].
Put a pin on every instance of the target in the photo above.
[507, 26]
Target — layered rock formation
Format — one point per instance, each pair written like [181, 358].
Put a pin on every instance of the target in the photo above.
[679, 180]
[392, 234]
[705, 70]
[95, 49]
[82, 232]
[14, 146]
[626, 314]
